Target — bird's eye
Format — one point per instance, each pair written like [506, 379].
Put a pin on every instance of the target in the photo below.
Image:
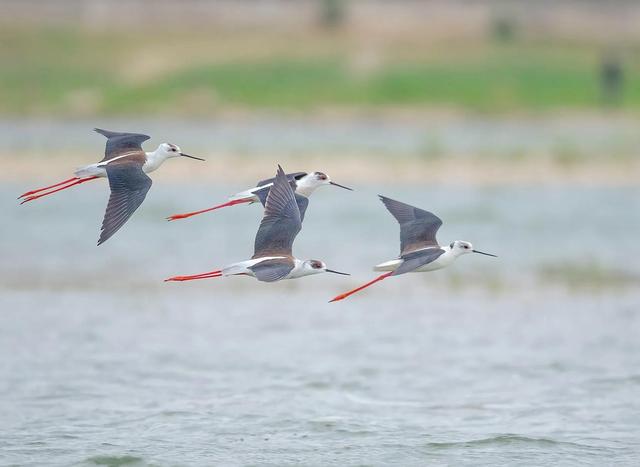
[173, 149]
[466, 247]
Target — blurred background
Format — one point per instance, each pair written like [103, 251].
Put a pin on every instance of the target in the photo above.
[515, 121]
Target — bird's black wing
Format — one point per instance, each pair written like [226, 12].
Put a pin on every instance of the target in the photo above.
[281, 221]
[416, 259]
[272, 270]
[303, 201]
[418, 228]
[292, 177]
[129, 186]
[262, 194]
[120, 143]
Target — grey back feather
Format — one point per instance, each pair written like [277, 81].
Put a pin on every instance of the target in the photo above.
[292, 177]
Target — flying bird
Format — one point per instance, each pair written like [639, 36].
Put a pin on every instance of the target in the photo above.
[126, 165]
[303, 184]
[419, 249]
[273, 259]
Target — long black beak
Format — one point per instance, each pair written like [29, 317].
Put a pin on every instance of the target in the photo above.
[190, 157]
[341, 186]
[483, 253]
[338, 272]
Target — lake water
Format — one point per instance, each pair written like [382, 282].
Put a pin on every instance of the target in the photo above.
[529, 359]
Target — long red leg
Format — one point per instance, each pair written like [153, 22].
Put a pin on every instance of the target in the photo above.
[224, 205]
[204, 275]
[38, 190]
[77, 181]
[351, 292]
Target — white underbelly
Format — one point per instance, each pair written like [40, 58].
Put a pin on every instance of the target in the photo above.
[92, 170]
[443, 261]
[437, 264]
[243, 266]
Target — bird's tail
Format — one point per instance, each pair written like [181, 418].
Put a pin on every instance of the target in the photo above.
[388, 265]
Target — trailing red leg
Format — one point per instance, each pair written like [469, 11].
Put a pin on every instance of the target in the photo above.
[74, 181]
[224, 205]
[351, 292]
[38, 190]
[204, 275]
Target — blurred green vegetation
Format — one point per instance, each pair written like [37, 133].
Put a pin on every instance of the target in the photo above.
[587, 275]
[70, 72]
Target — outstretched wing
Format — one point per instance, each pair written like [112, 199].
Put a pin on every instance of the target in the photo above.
[418, 228]
[292, 177]
[272, 270]
[414, 260]
[302, 201]
[129, 186]
[120, 143]
[281, 221]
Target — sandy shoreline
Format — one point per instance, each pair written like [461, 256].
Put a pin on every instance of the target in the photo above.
[357, 168]
[437, 148]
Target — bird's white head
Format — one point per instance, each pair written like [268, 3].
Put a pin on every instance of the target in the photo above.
[167, 151]
[308, 184]
[315, 266]
[460, 247]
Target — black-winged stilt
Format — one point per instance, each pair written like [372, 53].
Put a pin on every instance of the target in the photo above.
[419, 249]
[303, 184]
[273, 259]
[126, 165]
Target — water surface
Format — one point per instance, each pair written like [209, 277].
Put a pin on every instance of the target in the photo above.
[530, 359]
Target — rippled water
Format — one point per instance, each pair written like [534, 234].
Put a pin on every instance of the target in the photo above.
[530, 359]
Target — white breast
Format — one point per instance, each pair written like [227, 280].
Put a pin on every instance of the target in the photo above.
[444, 260]
[151, 163]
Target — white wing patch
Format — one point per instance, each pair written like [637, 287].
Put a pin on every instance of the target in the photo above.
[126, 154]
